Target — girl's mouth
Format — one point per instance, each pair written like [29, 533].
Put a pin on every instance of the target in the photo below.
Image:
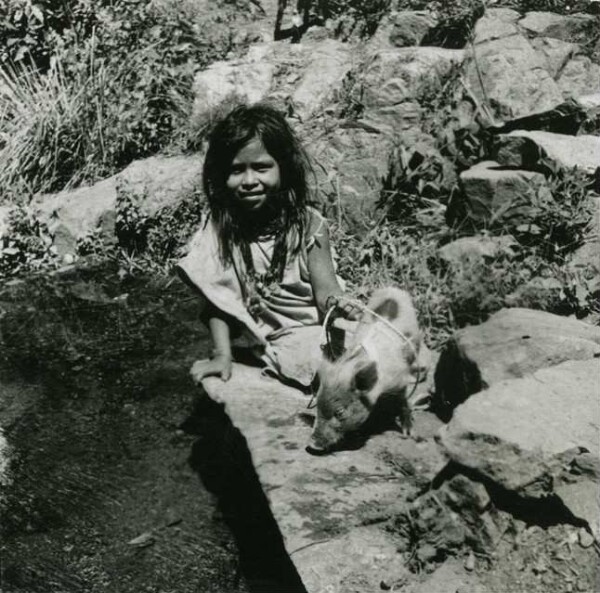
[254, 197]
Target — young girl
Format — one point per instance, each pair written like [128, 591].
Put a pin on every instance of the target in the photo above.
[262, 258]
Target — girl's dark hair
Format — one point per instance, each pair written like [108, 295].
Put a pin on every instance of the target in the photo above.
[227, 138]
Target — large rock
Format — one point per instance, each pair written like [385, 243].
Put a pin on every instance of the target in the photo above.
[510, 344]
[301, 76]
[493, 194]
[580, 76]
[156, 182]
[405, 28]
[525, 149]
[505, 73]
[409, 27]
[577, 28]
[532, 436]
[249, 78]
[351, 163]
[497, 23]
[332, 510]
[393, 77]
[329, 62]
[554, 52]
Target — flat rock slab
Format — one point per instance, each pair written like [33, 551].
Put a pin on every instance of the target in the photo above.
[510, 344]
[522, 433]
[328, 508]
[525, 149]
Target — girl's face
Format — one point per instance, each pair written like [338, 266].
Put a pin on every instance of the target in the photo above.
[254, 176]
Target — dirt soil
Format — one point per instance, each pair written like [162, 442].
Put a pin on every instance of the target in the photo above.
[106, 497]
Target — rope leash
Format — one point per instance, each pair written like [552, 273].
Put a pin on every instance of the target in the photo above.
[358, 305]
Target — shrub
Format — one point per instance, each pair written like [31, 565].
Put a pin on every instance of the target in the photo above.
[27, 246]
[158, 238]
[449, 297]
[358, 18]
[101, 103]
[560, 218]
[417, 181]
[455, 22]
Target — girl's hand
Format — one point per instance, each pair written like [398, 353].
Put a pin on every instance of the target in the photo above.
[343, 308]
[221, 365]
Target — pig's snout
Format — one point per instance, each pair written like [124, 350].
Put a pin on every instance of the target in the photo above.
[323, 439]
[315, 449]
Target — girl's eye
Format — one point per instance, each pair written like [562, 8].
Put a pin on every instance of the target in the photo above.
[236, 170]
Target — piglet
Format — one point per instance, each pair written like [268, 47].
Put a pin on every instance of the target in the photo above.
[382, 360]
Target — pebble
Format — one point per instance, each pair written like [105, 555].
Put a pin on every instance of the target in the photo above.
[586, 539]
[470, 562]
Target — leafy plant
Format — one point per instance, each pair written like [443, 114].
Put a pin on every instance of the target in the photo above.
[417, 180]
[560, 218]
[358, 18]
[455, 22]
[26, 246]
[449, 297]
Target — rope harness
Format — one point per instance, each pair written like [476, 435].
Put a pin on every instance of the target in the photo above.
[326, 338]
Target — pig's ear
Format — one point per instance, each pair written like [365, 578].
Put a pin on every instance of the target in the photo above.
[366, 377]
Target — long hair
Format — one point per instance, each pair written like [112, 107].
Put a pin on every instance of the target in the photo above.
[227, 138]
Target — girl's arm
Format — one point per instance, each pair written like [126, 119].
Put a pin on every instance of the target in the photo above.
[220, 362]
[320, 264]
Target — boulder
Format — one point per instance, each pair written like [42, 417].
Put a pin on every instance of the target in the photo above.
[393, 77]
[525, 149]
[331, 511]
[536, 436]
[496, 23]
[405, 28]
[580, 76]
[351, 164]
[249, 78]
[505, 74]
[402, 120]
[156, 181]
[410, 27]
[477, 248]
[555, 53]
[493, 194]
[576, 28]
[510, 344]
[328, 63]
